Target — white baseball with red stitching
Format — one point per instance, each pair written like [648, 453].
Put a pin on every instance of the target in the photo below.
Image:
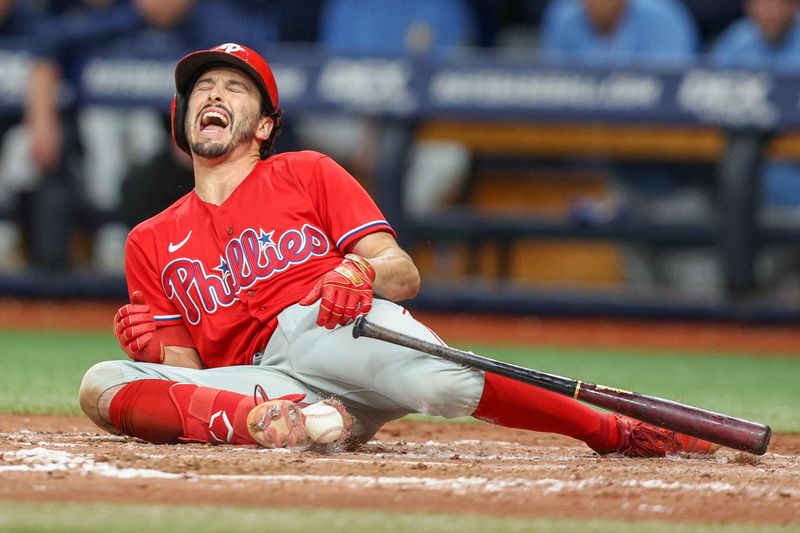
[324, 423]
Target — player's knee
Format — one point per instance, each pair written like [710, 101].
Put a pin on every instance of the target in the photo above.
[451, 394]
[98, 379]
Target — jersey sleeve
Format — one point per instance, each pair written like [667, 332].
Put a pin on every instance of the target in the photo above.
[142, 275]
[345, 208]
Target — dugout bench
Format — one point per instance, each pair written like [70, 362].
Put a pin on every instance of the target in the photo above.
[674, 115]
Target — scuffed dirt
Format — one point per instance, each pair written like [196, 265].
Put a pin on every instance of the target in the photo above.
[411, 466]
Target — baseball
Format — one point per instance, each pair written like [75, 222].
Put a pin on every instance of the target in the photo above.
[324, 424]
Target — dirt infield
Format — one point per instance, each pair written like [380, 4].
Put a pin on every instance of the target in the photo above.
[414, 466]
[410, 467]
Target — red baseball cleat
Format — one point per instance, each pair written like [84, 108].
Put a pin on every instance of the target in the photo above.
[639, 439]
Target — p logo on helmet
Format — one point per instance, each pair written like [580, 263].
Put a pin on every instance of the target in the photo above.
[232, 55]
[229, 48]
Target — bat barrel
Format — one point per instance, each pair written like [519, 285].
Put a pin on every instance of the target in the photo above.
[718, 428]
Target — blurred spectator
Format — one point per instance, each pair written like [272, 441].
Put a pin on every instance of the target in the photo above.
[629, 31]
[63, 42]
[16, 28]
[113, 138]
[392, 28]
[388, 28]
[768, 37]
[151, 187]
[646, 33]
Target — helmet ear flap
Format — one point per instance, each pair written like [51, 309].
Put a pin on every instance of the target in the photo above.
[178, 114]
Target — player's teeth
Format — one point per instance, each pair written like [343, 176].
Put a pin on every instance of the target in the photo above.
[214, 114]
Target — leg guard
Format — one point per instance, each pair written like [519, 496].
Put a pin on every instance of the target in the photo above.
[212, 415]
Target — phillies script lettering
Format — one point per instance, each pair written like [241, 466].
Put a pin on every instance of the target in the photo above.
[249, 258]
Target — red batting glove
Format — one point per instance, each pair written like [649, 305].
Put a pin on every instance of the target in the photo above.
[346, 292]
[135, 329]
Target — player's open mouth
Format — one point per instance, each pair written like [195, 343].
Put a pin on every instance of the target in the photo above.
[214, 120]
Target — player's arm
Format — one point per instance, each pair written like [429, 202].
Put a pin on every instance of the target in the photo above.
[182, 356]
[376, 265]
[396, 275]
[136, 331]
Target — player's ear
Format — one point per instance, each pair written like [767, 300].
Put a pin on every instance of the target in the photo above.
[265, 125]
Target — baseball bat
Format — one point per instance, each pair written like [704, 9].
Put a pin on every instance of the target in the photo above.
[720, 429]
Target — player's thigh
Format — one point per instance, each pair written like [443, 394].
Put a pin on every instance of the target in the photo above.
[372, 372]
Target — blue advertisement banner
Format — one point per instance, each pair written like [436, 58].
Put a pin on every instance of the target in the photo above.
[486, 86]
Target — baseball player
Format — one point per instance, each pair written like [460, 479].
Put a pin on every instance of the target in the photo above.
[252, 280]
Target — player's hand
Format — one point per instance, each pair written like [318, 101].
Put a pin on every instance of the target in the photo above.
[135, 329]
[346, 292]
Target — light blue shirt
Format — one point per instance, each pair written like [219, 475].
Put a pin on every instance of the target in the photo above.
[744, 46]
[648, 31]
[396, 27]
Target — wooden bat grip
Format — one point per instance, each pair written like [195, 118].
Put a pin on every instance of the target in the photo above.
[715, 427]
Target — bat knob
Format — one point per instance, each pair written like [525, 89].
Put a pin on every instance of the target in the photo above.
[358, 325]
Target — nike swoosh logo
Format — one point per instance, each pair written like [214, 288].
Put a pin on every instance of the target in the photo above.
[175, 247]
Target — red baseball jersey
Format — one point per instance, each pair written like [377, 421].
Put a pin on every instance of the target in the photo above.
[226, 271]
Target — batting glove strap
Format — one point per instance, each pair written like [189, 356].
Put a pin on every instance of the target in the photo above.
[362, 264]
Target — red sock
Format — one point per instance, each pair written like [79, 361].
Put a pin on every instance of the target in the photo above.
[164, 411]
[509, 403]
[144, 409]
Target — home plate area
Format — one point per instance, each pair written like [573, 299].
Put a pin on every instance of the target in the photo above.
[411, 466]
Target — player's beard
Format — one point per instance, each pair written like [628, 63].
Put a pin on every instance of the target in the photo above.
[242, 132]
